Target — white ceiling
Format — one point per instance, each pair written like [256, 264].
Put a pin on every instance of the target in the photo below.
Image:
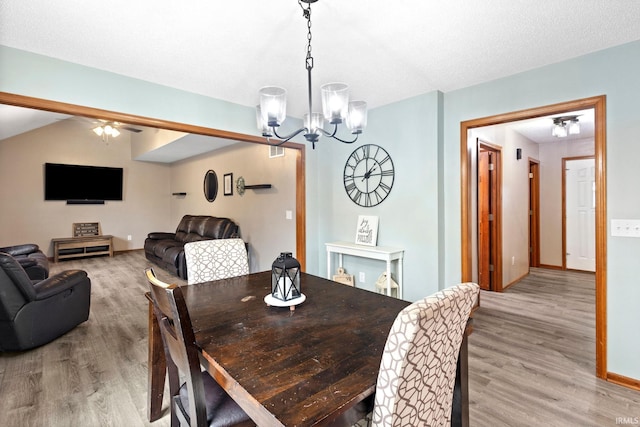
[387, 51]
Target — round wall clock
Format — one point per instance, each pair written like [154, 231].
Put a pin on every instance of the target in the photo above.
[368, 175]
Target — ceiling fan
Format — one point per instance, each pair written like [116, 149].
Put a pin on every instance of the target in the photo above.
[107, 129]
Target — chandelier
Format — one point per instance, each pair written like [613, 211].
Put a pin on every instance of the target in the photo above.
[565, 125]
[106, 131]
[336, 108]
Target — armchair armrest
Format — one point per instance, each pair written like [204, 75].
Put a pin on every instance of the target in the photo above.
[59, 283]
[26, 262]
[161, 235]
[25, 249]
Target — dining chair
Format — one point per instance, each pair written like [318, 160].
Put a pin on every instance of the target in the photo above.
[215, 259]
[200, 400]
[418, 368]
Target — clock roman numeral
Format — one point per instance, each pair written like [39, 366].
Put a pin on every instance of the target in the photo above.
[356, 195]
[350, 186]
[365, 151]
[386, 159]
[380, 194]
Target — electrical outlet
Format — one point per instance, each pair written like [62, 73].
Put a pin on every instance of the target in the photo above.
[129, 237]
[361, 277]
[513, 260]
[288, 214]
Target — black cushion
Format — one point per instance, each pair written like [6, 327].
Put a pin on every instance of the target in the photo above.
[222, 410]
[32, 259]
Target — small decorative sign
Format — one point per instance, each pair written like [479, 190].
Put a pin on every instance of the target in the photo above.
[367, 230]
[342, 277]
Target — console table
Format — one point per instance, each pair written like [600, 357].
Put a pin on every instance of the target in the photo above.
[383, 253]
[77, 247]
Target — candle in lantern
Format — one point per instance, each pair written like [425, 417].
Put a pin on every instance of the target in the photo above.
[284, 284]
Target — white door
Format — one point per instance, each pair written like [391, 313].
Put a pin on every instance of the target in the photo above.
[580, 204]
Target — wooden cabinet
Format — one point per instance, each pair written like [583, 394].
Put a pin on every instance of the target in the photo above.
[78, 247]
[87, 240]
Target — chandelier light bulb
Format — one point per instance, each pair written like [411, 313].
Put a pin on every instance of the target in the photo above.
[357, 116]
[574, 127]
[273, 104]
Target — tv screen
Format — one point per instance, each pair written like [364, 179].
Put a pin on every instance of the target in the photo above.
[82, 183]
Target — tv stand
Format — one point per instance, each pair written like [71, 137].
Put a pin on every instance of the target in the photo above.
[87, 241]
[78, 247]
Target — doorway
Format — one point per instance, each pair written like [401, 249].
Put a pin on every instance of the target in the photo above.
[578, 213]
[79, 110]
[467, 165]
[534, 213]
[489, 217]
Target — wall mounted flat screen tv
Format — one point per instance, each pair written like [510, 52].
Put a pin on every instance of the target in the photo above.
[78, 183]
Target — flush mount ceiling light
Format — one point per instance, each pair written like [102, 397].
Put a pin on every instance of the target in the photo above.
[336, 108]
[565, 125]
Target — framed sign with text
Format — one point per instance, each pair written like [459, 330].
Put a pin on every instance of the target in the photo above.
[367, 230]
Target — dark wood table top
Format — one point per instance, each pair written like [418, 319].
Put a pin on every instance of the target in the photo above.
[295, 368]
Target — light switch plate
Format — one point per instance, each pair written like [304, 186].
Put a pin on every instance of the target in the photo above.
[625, 227]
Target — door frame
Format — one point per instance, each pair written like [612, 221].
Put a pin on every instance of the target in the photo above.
[564, 205]
[598, 103]
[79, 110]
[534, 213]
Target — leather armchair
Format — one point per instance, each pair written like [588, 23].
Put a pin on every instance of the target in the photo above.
[33, 313]
[31, 258]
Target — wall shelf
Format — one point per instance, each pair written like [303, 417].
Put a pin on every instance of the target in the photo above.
[257, 186]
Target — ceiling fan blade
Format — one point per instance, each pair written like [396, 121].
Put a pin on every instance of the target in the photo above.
[130, 129]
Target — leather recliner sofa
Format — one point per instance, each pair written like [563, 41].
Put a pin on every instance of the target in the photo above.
[167, 249]
[31, 258]
[33, 313]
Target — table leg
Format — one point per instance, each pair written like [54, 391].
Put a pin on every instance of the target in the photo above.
[400, 280]
[460, 406]
[388, 277]
[157, 367]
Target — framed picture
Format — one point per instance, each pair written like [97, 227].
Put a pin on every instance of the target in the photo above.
[228, 184]
[367, 230]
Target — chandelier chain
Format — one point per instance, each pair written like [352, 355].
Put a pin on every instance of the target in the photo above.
[306, 13]
[271, 111]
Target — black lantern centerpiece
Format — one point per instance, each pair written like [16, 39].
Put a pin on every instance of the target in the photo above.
[285, 282]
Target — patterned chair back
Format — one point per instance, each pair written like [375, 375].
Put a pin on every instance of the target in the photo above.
[418, 367]
[215, 259]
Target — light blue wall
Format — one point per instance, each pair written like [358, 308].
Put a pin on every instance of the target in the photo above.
[48, 78]
[615, 73]
[408, 218]
[422, 213]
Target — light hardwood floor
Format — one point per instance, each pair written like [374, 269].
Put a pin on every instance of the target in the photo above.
[531, 357]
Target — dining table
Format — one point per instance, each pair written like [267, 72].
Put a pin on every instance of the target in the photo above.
[308, 365]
